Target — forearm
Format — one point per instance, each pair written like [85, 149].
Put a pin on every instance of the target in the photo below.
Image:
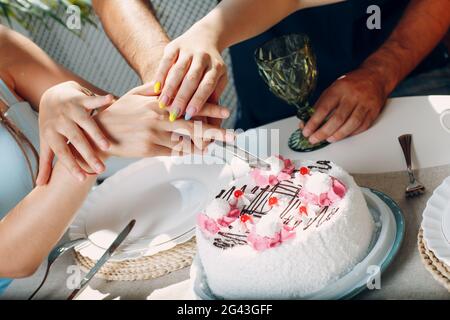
[135, 32]
[233, 21]
[30, 70]
[35, 225]
[423, 25]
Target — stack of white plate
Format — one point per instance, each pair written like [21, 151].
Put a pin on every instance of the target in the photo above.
[436, 223]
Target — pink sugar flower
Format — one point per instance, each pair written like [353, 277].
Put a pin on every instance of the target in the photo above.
[259, 178]
[273, 180]
[260, 243]
[283, 176]
[335, 194]
[289, 166]
[208, 226]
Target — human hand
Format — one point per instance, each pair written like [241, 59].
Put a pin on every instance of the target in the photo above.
[353, 103]
[137, 127]
[191, 72]
[64, 115]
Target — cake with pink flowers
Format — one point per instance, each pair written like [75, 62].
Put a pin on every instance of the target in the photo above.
[283, 233]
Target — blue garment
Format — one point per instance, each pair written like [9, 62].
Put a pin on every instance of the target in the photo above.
[4, 283]
[15, 178]
[341, 42]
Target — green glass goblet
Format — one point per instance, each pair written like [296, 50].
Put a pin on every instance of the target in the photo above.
[288, 66]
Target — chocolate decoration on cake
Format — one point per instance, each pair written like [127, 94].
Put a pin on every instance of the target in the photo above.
[322, 165]
[259, 207]
[294, 230]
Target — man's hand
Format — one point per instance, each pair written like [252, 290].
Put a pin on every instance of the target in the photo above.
[355, 101]
[352, 103]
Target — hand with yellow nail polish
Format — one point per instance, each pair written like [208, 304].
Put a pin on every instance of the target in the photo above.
[190, 72]
[192, 69]
[137, 127]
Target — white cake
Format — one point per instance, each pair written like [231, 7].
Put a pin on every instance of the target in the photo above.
[284, 233]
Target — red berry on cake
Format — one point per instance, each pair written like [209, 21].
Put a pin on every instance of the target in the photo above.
[303, 210]
[238, 193]
[245, 218]
[304, 170]
[273, 201]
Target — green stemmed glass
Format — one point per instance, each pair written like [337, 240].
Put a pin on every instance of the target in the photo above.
[288, 66]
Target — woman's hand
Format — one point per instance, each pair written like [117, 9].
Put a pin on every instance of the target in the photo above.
[137, 127]
[352, 102]
[190, 73]
[64, 115]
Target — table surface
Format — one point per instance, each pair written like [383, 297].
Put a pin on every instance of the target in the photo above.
[376, 159]
[418, 116]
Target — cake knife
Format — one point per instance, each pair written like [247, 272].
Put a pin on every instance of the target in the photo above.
[105, 257]
[252, 160]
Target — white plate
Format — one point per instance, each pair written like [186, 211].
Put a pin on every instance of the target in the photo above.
[163, 196]
[385, 244]
[436, 222]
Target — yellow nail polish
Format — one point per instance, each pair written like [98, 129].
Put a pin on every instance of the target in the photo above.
[173, 115]
[157, 87]
[161, 105]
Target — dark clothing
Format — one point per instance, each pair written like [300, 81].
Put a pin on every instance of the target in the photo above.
[341, 42]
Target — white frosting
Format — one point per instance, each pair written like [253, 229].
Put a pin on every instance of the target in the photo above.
[244, 200]
[318, 183]
[240, 226]
[312, 210]
[269, 225]
[218, 208]
[276, 164]
[299, 179]
[312, 260]
[281, 205]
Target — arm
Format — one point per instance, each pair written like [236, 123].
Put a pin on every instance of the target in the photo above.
[358, 98]
[33, 76]
[133, 123]
[192, 69]
[234, 21]
[24, 62]
[35, 225]
[135, 32]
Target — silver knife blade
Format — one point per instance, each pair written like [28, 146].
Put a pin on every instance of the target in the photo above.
[252, 160]
[105, 257]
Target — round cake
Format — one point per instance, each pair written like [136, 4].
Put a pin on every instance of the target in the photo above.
[283, 233]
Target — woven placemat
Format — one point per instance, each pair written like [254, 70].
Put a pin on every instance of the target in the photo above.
[144, 268]
[439, 270]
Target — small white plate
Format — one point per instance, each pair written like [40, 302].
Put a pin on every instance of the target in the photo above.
[385, 244]
[436, 222]
[163, 194]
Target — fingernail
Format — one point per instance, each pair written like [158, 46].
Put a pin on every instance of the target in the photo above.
[104, 145]
[174, 114]
[98, 167]
[230, 137]
[190, 111]
[163, 101]
[225, 113]
[306, 132]
[331, 139]
[80, 176]
[157, 87]
[313, 140]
